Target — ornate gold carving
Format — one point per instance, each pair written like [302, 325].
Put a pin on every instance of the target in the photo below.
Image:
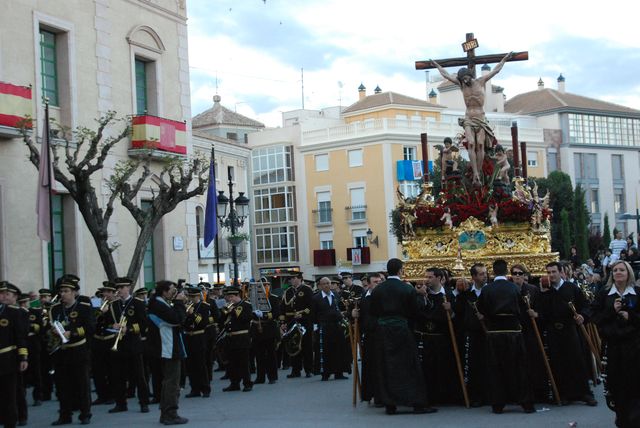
[515, 243]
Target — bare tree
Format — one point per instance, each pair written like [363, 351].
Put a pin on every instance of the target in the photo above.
[84, 153]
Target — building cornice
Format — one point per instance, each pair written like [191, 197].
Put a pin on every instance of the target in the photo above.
[147, 4]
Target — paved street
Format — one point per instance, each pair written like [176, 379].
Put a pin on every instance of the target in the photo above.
[312, 403]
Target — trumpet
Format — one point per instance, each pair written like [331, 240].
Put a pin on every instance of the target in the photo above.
[189, 308]
[123, 322]
[107, 301]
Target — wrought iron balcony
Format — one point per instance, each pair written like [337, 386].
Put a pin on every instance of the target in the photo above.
[356, 213]
[323, 217]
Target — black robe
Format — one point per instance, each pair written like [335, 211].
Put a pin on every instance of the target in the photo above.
[622, 351]
[472, 344]
[564, 343]
[368, 325]
[331, 350]
[436, 351]
[508, 380]
[399, 379]
[538, 376]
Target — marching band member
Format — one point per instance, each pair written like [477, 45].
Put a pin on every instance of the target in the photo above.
[103, 339]
[238, 342]
[195, 326]
[127, 317]
[46, 364]
[71, 360]
[264, 337]
[13, 352]
[296, 306]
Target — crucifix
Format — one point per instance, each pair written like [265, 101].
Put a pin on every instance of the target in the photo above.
[478, 133]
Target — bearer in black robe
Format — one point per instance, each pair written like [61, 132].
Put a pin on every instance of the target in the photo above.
[367, 324]
[434, 341]
[330, 344]
[472, 336]
[565, 350]
[399, 376]
[508, 381]
[542, 391]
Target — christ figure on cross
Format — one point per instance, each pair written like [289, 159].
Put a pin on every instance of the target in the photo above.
[478, 133]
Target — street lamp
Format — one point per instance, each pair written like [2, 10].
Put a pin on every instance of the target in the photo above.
[238, 212]
[636, 217]
[370, 236]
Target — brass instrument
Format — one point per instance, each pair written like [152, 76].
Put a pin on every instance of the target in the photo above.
[123, 322]
[189, 308]
[293, 339]
[107, 301]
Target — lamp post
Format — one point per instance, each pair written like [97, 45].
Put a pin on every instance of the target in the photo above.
[238, 211]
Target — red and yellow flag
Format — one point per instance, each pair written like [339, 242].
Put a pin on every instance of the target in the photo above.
[159, 133]
[15, 104]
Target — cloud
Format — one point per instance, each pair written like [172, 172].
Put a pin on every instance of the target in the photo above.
[257, 49]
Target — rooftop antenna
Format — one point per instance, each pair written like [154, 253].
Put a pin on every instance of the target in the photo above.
[216, 82]
[302, 85]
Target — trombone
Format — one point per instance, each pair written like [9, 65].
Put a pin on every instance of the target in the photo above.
[123, 322]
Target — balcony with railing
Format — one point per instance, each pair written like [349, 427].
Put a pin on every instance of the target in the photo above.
[15, 106]
[165, 137]
[411, 127]
[323, 216]
[356, 214]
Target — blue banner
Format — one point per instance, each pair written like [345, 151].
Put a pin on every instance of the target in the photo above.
[210, 216]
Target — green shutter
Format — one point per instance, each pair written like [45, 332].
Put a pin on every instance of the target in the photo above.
[148, 264]
[141, 87]
[49, 67]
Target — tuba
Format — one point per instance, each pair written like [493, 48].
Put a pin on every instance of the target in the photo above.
[292, 339]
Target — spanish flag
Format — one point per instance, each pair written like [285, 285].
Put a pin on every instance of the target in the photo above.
[15, 104]
[152, 132]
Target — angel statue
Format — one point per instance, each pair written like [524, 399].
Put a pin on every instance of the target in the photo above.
[493, 215]
[448, 221]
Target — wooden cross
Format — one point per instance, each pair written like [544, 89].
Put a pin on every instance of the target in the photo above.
[470, 61]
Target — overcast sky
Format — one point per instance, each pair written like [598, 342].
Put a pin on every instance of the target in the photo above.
[256, 49]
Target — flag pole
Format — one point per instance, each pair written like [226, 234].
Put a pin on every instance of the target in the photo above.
[45, 146]
[213, 160]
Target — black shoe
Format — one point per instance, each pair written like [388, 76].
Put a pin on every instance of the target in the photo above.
[590, 401]
[259, 381]
[308, 375]
[247, 388]
[98, 401]
[22, 423]
[206, 394]
[85, 421]
[144, 408]
[497, 409]
[37, 403]
[231, 387]
[424, 410]
[118, 409]
[272, 381]
[176, 420]
[192, 394]
[390, 410]
[154, 401]
[340, 377]
[528, 408]
[62, 421]
[292, 375]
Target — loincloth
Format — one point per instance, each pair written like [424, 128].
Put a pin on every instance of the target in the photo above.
[477, 124]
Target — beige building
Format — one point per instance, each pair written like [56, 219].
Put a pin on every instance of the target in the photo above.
[337, 180]
[596, 143]
[89, 57]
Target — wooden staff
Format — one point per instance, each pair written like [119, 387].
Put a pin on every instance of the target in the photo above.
[587, 338]
[354, 356]
[544, 354]
[456, 354]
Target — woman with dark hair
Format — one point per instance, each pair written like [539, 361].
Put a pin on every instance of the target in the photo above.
[617, 314]
[573, 258]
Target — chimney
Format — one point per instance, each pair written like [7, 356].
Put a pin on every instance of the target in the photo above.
[377, 90]
[362, 92]
[540, 84]
[433, 97]
[561, 83]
